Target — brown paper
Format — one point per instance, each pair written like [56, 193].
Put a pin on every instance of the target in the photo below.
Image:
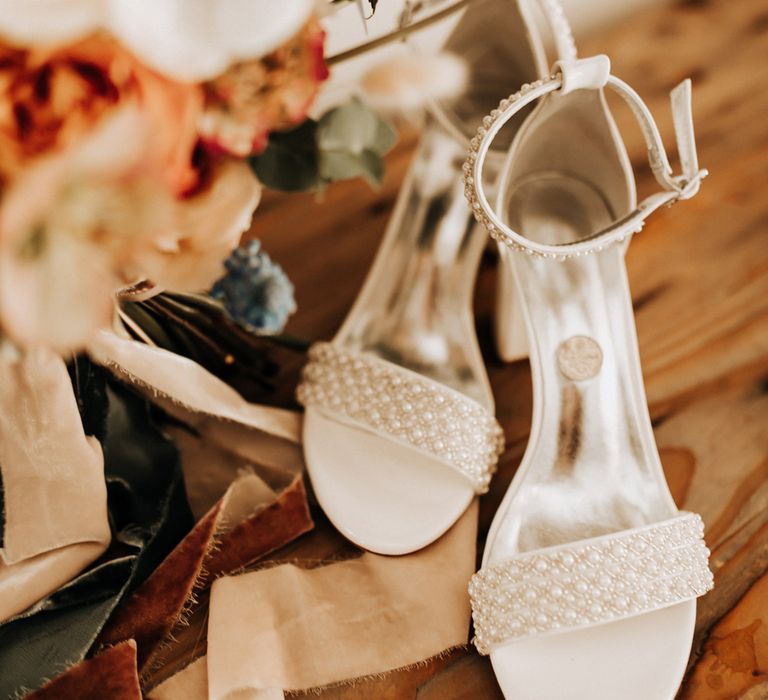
[293, 628]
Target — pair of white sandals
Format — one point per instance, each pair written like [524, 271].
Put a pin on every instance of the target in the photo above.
[590, 574]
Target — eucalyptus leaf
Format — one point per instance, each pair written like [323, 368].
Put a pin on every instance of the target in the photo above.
[351, 140]
[373, 165]
[347, 142]
[342, 165]
[384, 137]
[289, 163]
[355, 128]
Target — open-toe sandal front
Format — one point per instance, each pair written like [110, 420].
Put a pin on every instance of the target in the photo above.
[399, 429]
[590, 573]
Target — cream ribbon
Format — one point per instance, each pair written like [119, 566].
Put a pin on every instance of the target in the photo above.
[53, 481]
[307, 627]
[55, 496]
[294, 628]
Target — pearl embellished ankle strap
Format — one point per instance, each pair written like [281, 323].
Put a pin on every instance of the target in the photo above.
[590, 73]
[403, 405]
[565, 46]
[590, 582]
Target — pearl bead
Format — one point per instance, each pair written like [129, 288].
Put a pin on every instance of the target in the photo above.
[570, 599]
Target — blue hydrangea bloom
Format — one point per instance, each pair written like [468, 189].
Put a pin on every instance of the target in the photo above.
[255, 292]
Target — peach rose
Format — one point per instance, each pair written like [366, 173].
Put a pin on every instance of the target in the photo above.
[96, 151]
[69, 225]
[205, 229]
[80, 224]
[51, 98]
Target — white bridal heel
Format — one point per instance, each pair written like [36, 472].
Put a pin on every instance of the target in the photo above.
[590, 574]
[399, 429]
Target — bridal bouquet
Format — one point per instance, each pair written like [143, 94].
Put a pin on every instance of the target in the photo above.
[135, 138]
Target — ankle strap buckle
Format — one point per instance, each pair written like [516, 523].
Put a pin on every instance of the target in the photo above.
[688, 188]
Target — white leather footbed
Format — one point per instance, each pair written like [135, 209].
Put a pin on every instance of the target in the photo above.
[382, 494]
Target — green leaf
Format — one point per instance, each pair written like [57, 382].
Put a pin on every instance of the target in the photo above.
[354, 128]
[342, 165]
[351, 140]
[289, 163]
[348, 141]
[384, 137]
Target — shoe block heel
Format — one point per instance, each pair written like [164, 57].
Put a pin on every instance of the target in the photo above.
[509, 323]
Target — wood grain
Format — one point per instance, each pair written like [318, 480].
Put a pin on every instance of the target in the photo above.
[699, 274]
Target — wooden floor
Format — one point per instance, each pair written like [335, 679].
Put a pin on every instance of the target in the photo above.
[699, 274]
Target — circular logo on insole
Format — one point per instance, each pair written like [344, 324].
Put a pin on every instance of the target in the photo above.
[579, 358]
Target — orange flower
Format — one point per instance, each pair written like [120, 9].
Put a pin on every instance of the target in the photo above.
[252, 98]
[52, 98]
[74, 228]
[70, 224]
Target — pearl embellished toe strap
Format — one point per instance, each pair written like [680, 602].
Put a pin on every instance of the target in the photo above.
[386, 398]
[590, 582]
